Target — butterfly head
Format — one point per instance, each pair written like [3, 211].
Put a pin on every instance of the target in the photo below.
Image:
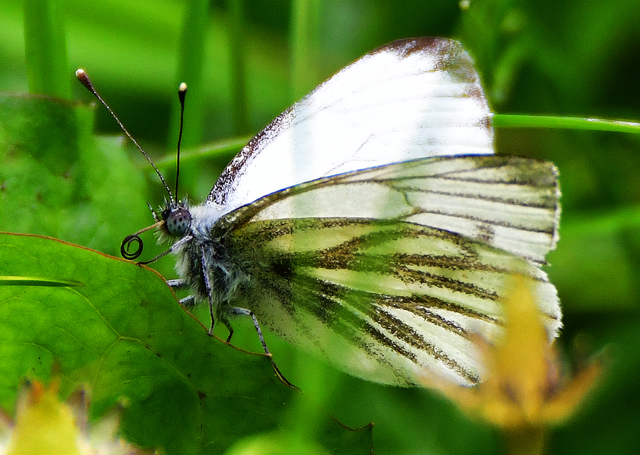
[177, 220]
[174, 220]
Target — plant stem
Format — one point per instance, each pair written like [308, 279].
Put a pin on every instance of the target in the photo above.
[238, 67]
[46, 49]
[190, 70]
[572, 123]
[525, 441]
[305, 18]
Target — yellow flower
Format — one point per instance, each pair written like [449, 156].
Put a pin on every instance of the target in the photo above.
[523, 391]
[46, 426]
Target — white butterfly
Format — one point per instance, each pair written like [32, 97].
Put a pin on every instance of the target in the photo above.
[372, 223]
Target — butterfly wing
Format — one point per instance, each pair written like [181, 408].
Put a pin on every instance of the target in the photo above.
[409, 99]
[351, 265]
[510, 203]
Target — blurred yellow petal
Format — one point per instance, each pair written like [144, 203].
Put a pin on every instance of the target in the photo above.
[44, 426]
[522, 357]
[522, 391]
[564, 403]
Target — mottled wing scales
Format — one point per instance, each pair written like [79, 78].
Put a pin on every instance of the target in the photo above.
[510, 203]
[392, 302]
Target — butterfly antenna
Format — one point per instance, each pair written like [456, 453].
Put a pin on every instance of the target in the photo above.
[84, 79]
[182, 93]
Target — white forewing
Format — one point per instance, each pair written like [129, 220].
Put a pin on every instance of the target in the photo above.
[407, 100]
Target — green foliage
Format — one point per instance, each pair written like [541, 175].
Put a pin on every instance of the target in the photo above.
[60, 180]
[572, 58]
[117, 327]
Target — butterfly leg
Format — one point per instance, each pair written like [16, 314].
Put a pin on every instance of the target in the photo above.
[173, 248]
[186, 302]
[207, 286]
[176, 284]
[245, 312]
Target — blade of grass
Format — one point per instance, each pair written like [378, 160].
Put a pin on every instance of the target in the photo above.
[223, 150]
[572, 123]
[238, 68]
[46, 49]
[190, 70]
[305, 24]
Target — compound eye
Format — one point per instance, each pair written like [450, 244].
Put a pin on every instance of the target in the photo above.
[178, 222]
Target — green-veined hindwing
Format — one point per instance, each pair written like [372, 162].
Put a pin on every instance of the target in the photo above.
[391, 295]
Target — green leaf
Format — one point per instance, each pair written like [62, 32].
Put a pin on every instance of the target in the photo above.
[119, 328]
[59, 180]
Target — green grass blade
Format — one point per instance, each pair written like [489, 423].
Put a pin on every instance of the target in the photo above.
[305, 21]
[238, 67]
[46, 49]
[190, 70]
[12, 280]
[571, 123]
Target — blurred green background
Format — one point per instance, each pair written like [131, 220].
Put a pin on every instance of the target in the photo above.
[245, 62]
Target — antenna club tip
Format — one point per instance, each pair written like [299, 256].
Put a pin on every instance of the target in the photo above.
[182, 93]
[82, 76]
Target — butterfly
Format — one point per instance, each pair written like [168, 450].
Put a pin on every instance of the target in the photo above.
[372, 223]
